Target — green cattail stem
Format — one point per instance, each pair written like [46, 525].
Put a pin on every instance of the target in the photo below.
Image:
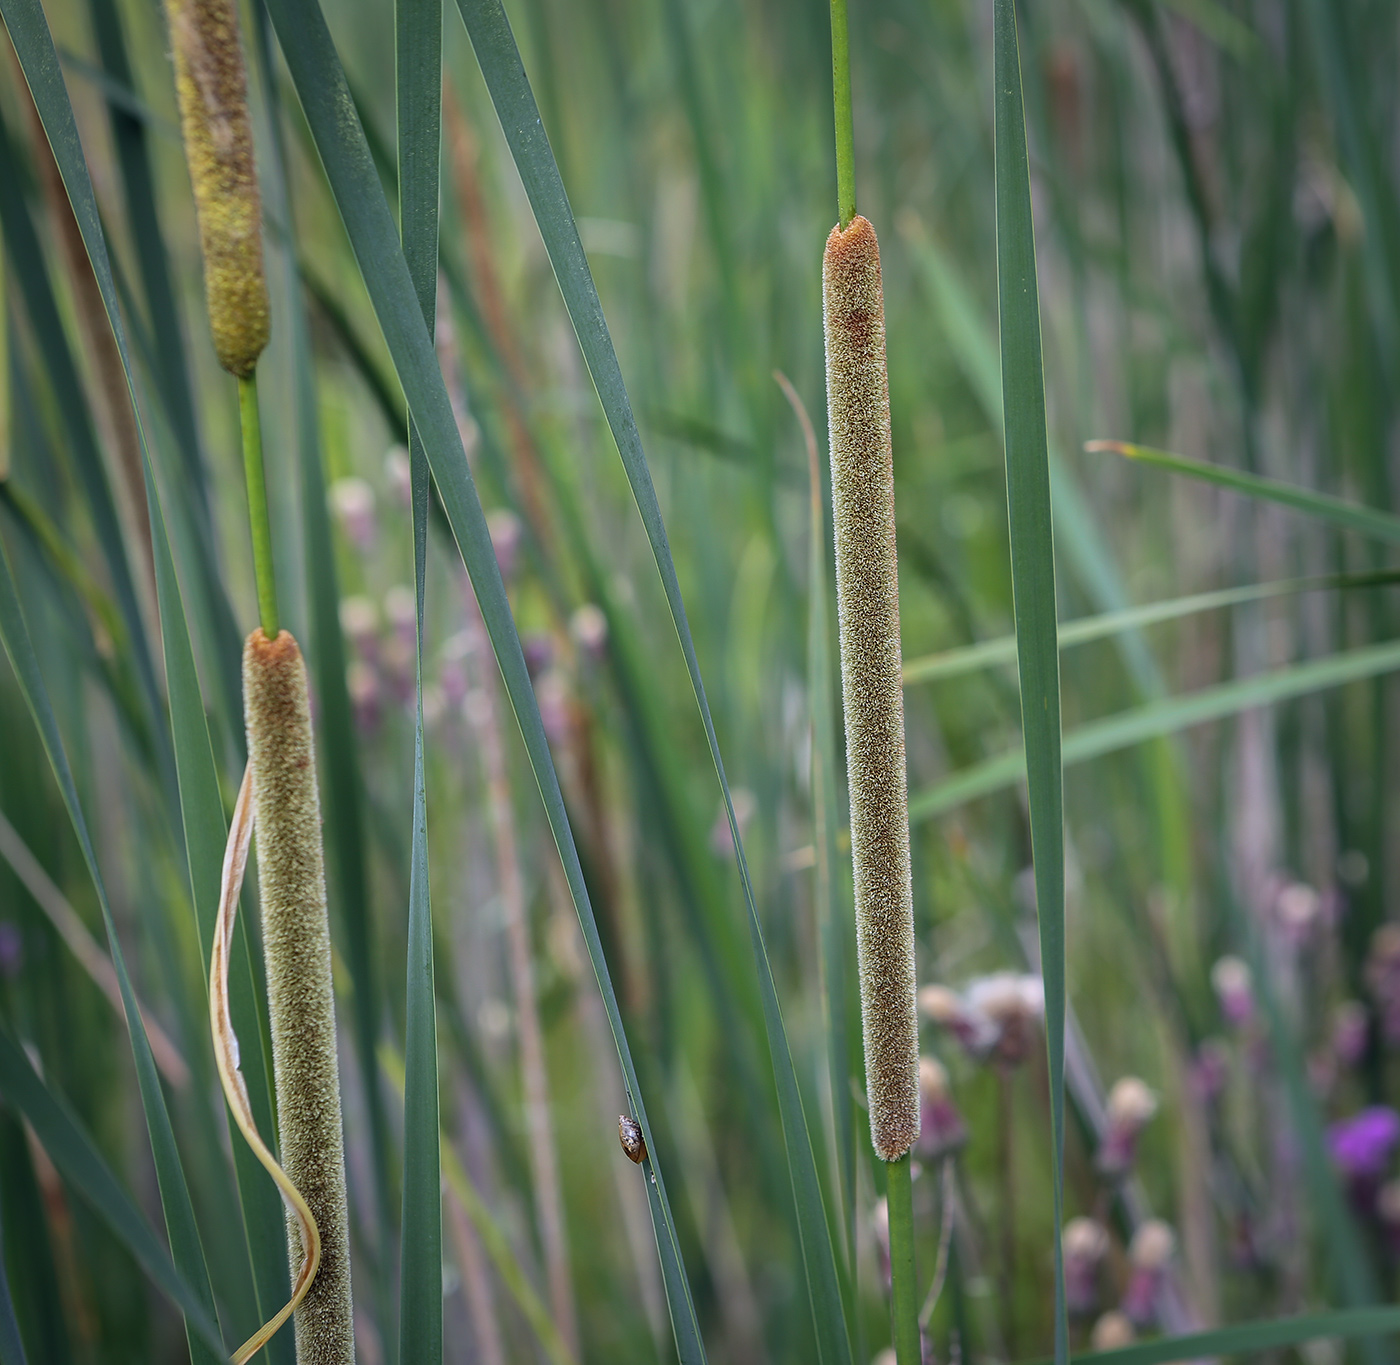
[212, 87]
[301, 1011]
[867, 599]
[845, 123]
[258, 521]
[904, 1306]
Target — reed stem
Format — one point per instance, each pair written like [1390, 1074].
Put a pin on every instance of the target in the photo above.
[904, 1296]
[845, 122]
[301, 1006]
[259, 523]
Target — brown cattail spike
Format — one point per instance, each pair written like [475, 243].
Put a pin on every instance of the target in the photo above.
[867, 596]
[297, 949]
[213, 92]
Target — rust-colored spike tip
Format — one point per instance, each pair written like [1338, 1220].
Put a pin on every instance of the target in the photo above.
[867, 598]
[212, 87]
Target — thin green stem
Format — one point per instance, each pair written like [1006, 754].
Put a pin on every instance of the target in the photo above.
[845, 125]
[905, 1290]
[258, 522]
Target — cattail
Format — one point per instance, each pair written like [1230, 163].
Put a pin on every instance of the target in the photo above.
[867, 598]
[212, 87]
[297, 947]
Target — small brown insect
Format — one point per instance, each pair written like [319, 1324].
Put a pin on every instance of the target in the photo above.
[629, 1133]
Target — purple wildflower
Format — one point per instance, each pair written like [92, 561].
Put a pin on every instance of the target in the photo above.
[1361, 1145]
[11, 948]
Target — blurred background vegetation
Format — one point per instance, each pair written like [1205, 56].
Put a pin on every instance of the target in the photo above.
[1218, 234]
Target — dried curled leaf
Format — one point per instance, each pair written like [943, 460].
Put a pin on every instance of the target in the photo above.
[226, 1056]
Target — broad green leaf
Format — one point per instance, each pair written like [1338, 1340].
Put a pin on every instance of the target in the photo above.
[320, 83]
[201, 811]
[1161, 718]
[1032, 578]
[11, 1347]
[1085, 551]
[494, 1239]
[496, 52]
[834, 922]
[1352, 516]
[342, 789]
[31, 280]
[954, 663]
[170, 1177]
[418, 92]
[70, 1149]
[1250, 1338]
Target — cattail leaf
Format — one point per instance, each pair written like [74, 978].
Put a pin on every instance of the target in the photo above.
[195, 1291]
[1082, 544]
[496, 52]
[1158, 718]
[71, 1150]
[201, 811]
[219, 636]
[418, 93]
[31, 282]
[320, 82]
[1032, 577]
[342, 790]
[11, 1347]
[1369, 521]
[833, 916]
[494, 1240]
[1250, 1338]
[954, 663]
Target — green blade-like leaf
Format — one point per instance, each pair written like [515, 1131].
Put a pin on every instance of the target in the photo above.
[341, 783]
[11, 1347]
[954, 663]
[1032, 577]
[1249, 1338]
[34, 286]
[1161, 718]
[1369, 521]
[418, 90]
[170, 1176]
[320, 83]
[200, 807]
[70, 1149]
[496, 52]
[835, 923]
[1085, 550]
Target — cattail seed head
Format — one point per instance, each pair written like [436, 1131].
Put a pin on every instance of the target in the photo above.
[212, 87]
[867, 597]
[297, 948]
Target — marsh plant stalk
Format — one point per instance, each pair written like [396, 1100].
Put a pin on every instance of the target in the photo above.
[301, 1008]
[212, 88]
[867, 594]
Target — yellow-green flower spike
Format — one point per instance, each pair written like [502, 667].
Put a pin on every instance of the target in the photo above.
[867, 596]
[212, 87]
[301, 1010]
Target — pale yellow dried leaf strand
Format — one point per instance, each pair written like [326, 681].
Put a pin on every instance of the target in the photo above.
[226, 1057]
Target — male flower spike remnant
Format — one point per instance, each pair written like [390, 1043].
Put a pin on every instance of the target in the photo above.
[212, 87]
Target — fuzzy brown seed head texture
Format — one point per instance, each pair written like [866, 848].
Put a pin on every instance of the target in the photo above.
[867, 597]
[212, 87]
[297, 948]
